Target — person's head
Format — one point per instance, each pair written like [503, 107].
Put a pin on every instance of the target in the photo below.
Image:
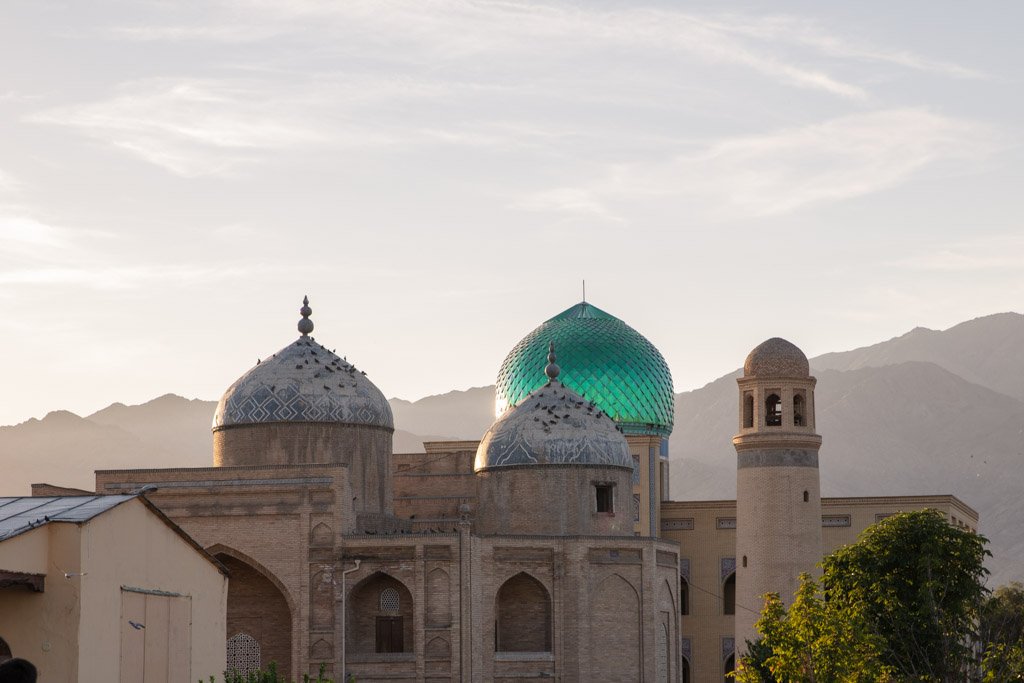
[17, 671]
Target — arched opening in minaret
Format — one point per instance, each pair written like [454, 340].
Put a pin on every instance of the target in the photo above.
[773, 411]
[748, 410]
[798, 410]
[686, 670]
[729, 595]
[730, 666]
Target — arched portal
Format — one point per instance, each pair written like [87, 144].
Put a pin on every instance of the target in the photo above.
[5, 651]
[259, 620]
[380, 616]
[615, 650]
[522, 612]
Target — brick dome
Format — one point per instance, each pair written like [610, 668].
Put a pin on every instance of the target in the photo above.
[776, 357]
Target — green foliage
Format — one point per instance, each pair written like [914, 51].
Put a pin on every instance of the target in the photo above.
[815, 640]
[1001, 633]
[917, 582]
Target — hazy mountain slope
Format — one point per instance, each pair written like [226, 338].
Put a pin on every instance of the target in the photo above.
[64, 449]
[171, 422]
[988, 351]
[463, 414]
[170, 431]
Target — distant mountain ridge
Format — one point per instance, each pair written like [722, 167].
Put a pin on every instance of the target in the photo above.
[926, 412]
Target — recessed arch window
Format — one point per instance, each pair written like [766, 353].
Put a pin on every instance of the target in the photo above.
[729, 595]
[684, 596]
[773, 411]
[730, 666]
[798, 410]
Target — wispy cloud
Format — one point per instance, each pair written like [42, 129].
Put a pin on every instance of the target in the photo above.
[989, 253]
[788, 169]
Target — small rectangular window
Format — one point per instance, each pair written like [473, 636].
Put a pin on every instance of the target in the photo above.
[605, 497]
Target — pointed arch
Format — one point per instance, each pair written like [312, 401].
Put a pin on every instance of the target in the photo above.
[259, 613]
[729, 594]
[617, 599]
[522, 615]
[380, 616]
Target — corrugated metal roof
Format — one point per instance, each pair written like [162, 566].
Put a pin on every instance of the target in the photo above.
[18, 515]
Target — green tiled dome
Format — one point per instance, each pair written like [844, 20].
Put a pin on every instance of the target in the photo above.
[604, 360]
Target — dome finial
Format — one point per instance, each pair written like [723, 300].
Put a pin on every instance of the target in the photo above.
[305, 325]
[552, 369]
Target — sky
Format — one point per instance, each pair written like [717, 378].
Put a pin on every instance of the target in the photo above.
[440, 176]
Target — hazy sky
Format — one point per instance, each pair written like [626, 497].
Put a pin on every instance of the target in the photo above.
[439, 175]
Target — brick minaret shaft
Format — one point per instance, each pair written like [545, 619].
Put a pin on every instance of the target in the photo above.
[778, 494]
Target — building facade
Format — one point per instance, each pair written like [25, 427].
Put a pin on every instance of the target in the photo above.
[546, 550]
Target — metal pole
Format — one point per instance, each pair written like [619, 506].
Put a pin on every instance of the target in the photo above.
[344, 620]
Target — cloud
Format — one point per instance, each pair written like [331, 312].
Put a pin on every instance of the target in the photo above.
[24, 234]
[786, 170]
[985, 254]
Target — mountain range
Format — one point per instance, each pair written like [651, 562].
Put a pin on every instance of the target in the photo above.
[926, 412]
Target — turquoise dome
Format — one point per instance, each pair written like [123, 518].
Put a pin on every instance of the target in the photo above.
[602, 359]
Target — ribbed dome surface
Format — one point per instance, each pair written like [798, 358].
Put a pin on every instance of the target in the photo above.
[303, 382]
[553, 426]
[776, 357]
[604, 360]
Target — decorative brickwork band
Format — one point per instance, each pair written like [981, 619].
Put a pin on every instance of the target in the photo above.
[777, 457]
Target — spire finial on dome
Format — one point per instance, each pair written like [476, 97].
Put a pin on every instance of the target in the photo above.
[305, 325]
[552, 369]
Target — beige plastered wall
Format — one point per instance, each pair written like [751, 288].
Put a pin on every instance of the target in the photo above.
[150, 556]
[43, 627]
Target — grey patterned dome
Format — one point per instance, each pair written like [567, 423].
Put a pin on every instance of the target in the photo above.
[776, 357]
[303, 382]
[553, 426]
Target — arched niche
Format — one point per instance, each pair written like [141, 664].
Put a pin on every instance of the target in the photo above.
[522, 610]
[380, 616]
[258, 608]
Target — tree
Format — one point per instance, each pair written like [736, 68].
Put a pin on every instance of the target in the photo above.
[814, 641]
[1001, 634]
[919, 582]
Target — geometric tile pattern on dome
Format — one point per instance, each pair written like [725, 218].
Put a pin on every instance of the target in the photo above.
[553, 426]
[303, 382]
[604, 360]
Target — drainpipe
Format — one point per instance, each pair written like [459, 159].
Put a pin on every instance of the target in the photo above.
[344, 615]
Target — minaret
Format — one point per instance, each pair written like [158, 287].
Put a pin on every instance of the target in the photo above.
[778, 494]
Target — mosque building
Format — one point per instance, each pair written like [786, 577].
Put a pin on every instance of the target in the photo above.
[547, 550]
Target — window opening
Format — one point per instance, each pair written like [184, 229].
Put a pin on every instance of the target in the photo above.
[684, 596]
[798, 410]
[605, 497]
[773, 411]
[729, 595]
[748, 410]
[744, 560]
[243, 654]
[389, 601]
[807, 497]
[730, 665]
